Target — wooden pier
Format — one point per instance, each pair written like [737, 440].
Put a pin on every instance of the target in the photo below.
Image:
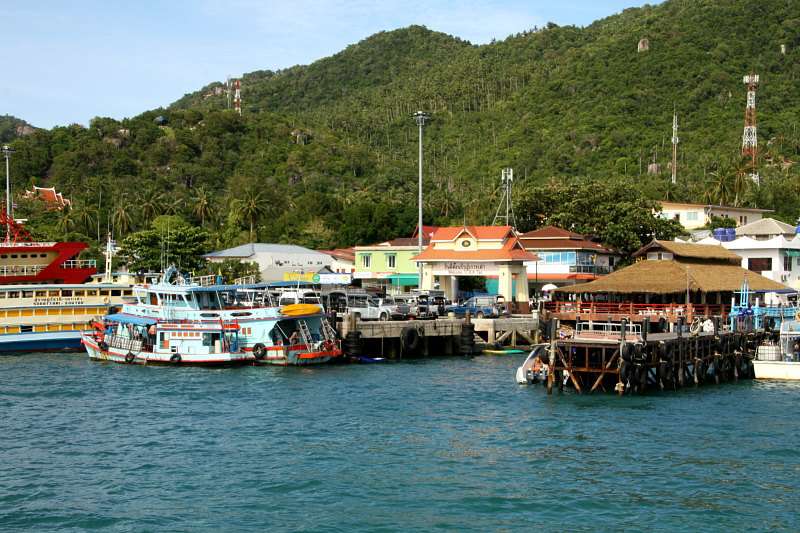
[656, 361]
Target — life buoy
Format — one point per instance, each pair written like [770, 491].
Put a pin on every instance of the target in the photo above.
[259, 351]
[176, 358]
[106, 300]
[129, 357]
[411, 338]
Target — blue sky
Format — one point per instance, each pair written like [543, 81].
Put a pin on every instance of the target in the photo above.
[67, 62]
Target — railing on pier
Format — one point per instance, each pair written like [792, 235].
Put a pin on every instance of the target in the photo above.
[589, 269]
[653, 311]
[607, 330]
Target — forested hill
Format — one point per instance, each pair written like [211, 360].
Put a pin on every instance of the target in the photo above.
[12, 127]
[325, 154]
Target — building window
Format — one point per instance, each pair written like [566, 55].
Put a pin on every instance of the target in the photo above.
[759, 264]
[366, 260]
[787, 263]
[798, 261]
[691, 216]
[391, 261]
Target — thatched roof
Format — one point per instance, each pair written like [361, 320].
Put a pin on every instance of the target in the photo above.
[712, 252]
[671, 277]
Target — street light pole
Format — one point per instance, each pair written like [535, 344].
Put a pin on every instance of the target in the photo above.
[7, 151]
[420, 117]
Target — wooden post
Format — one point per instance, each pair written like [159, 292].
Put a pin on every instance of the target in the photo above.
[552, 364]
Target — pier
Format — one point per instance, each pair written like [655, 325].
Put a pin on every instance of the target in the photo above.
[628, 359]
[441, 336]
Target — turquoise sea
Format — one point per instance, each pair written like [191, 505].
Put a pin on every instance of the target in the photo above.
[438, 444]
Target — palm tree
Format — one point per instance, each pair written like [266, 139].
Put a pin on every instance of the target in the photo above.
[150, 205]
[121, 217]
[85, 217]
[66, 221]
[250, 208]
[202, 205]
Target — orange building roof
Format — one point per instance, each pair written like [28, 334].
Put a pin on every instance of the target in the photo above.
[511, 250]
[481, 233]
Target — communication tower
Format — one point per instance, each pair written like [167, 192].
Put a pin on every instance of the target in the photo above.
[237, 96]
[675, 142]
[507, 182]
[750, 135]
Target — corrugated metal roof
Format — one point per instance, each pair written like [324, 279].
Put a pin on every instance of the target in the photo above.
[248, 250]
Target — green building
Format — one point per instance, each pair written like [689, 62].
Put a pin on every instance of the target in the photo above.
[388, 265]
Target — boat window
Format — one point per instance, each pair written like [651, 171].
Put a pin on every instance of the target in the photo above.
[4, 256]
[29, 294]
[52, 293]
[104, 292]
[208, 300]
[41, 294]
[153, 299]
[116, 293]
[13, 256]
[91, 293]
[127, 292]
[210, 338]
[13, 294]
[23, 256]
[3, 294]
[66, 292]
[42, 255]
[79, 293]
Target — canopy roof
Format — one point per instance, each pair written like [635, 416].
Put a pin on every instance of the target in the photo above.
[671, 277]
[123, 318]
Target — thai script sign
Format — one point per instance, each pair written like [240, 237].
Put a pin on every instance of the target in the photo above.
[465, 269]
[58, 300]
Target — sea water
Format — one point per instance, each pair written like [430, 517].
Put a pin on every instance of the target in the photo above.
[436, 444]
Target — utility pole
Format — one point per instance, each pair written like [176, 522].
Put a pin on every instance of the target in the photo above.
[7, 151]
[420, 117]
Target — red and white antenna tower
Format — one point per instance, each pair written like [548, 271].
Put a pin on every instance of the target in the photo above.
[237, 96]
[750, 135]
[675, 141]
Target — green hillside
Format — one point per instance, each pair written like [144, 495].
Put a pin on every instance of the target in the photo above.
[325, 154]
[12, 127]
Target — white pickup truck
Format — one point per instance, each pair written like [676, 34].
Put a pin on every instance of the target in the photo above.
[367, 307]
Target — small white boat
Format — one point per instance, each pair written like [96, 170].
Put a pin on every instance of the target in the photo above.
[781, 360]
[534, 369]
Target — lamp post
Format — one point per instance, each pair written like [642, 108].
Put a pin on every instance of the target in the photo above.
[7, 151]
[420, 117]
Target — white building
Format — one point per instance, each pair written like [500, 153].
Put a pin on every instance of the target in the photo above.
[275, 260]
[768, 247]
[695, 216]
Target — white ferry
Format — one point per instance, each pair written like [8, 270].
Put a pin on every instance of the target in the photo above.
[296, 334]
[782, 360]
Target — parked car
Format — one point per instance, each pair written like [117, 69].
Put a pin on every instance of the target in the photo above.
[479, 307]
[430, 303]
[370, 308]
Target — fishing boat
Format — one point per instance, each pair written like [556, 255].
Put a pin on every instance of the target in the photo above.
[294, 334]
[123, 338]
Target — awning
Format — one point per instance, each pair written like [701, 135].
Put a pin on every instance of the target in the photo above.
[549, 287]
[404, 280]
[123, 318]
[792, 253]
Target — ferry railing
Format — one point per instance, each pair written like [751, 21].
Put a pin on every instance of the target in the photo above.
[607, 330]
[20, 270]
[79, 263]
[26, 244]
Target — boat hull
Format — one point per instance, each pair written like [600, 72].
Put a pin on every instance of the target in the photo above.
[50, 341]
[783, 370]
[279, 357]
[146, 358]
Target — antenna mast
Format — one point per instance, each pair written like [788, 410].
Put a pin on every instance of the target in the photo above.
[507, 182]
[750, 135]
[675, 142]
[237, 96]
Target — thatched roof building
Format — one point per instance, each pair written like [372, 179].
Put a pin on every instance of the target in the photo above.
[666, 267]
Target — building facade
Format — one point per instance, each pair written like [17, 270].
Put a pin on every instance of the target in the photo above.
[696, 216]
[388, 265]
[275, 261]
[768, 247]
[565, 258]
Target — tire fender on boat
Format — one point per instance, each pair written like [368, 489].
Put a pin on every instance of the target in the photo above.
[259, 351]
[176, 358]
[129, 357]
[411, 338]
